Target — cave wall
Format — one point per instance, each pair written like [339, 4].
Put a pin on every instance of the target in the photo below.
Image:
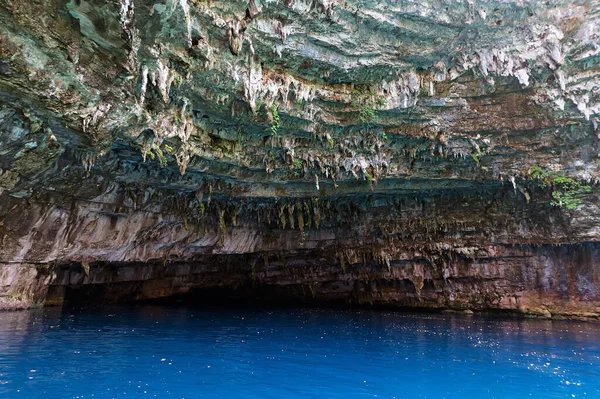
[486, 249]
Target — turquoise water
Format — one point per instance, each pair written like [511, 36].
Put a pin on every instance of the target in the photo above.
[181, 352]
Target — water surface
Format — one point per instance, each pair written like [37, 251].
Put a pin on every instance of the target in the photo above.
[181, 352]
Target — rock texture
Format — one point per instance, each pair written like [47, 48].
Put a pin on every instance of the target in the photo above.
[319, 150]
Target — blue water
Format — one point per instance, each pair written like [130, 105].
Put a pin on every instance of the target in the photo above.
[180, 352]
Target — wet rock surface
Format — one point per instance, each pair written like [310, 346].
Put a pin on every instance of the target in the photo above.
[362, 152]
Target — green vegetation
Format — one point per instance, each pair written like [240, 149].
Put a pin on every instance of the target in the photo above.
[275, 122]
[160, 156]
[566, 192]
[170, 150]
[297, 163]
[178, 80]
[366, 113]
[476, 156]
[367, 104]
[155, 152]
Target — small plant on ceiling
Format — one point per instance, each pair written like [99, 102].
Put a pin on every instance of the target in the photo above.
[566, 192]
[274, 117]
[367, 103]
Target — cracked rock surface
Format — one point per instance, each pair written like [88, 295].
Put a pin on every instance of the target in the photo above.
[365, 152]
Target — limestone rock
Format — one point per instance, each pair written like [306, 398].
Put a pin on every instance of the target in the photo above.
[358, 151]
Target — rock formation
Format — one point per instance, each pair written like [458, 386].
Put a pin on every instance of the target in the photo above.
[432, 153]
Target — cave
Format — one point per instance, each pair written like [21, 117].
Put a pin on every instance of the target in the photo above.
[433, 155]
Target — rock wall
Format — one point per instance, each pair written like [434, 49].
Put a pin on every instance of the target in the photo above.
[451, 249]
[439, 154]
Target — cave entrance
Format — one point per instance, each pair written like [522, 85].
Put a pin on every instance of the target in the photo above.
[232, 283]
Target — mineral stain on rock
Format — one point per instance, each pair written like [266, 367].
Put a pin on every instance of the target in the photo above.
[430, 154]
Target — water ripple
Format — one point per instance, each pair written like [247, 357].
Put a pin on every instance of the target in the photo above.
[179, 352]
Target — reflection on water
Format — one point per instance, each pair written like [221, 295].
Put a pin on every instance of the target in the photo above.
[182, 352]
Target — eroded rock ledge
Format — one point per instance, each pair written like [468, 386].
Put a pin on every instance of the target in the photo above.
[363, 152]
